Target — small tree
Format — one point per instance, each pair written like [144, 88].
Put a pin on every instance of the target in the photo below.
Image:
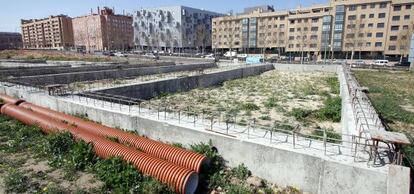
[229, 37]
[355, 36]
[404, 40]
[265, 36]
[201, 37]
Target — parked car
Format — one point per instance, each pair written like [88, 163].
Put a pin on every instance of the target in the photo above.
[108, 53]
[230, 54]
[209, 56]
[243, 56]
[358, 63]
[339, 61]
[380, 63]
[152, 56]
[120, 54]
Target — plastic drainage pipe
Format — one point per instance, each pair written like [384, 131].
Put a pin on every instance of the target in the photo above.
[181, 179]
[182, 157]
[10, 100]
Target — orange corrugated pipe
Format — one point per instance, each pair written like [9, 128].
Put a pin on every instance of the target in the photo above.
[181, 179]
[10, 100]
[191, 160]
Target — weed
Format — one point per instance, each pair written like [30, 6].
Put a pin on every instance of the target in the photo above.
[241, 172]
[265, 117]
[300, 114]
[271, 102]
[282, 127]
[216, 161]
[332, 136]
[16, 182]
[331, 110]
[238, 189]
[333, 83]
[249, 106]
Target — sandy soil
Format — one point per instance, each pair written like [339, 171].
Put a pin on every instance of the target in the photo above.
[267, 98]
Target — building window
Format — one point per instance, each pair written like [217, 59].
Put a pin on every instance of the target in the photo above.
[282, 26]
[405, 27]
[370, 25]
[363, 16]
[393, 38]
[291, 38]
[352, 17]
[378, 44]
[408, 7]
[363, 6]
[369, 34]
[381, 15]
[395, 28]
[392, 48]
[380, 35]
[396, 18]
[314, 29]
[368, 44]
[361, 25]
[380, 25]
[397, 8]
[292, 30]
[406, 17]
[372, 5]
[383, 5]
[371, 15]
[352, 8]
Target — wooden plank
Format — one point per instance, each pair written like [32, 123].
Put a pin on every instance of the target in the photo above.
[389, 137]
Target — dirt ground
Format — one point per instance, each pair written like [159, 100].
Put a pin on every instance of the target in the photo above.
[268, 99]
[40, 177]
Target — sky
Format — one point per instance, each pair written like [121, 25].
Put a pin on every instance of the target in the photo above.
[13, 11]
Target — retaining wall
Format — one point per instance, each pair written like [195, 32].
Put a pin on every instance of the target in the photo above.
[149, 90]
[67, 78]
[19, 72]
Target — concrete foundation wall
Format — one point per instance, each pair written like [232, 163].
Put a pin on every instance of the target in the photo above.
[19, 72]
[67, 78]
[149, 90]
[310, 173]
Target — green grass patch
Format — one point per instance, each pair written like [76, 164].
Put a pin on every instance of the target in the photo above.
[331, 110]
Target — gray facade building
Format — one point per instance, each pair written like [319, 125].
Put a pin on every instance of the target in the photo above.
[172, 28]
[10, 40]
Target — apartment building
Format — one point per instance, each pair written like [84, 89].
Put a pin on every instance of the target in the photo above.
[367, 28]
[10, 40]
[54, 32]
[172, 28]
[103, 30]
